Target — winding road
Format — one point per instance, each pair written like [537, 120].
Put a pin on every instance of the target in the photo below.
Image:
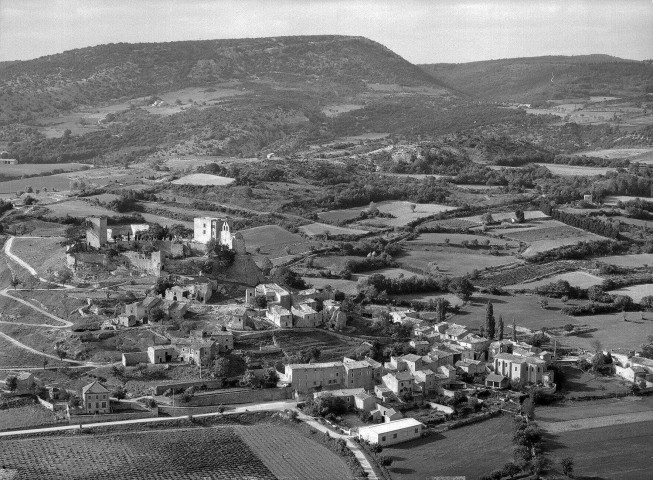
[62, 323]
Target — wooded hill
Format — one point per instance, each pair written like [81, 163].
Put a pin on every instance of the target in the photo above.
[535, 79]
[59, 83]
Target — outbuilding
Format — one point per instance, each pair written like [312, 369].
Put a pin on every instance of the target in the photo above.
[391, 433]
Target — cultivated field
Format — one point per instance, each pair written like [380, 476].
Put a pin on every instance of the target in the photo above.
[39, 168]
[450, 261]
[290, 455]
[504, 217]
[274, 241]
[471, 451]
[401, 210]
[520, 274]
[315, 229]
[636, 292]
[636, 260]
[575, 279]
[204, 179]
[615, 153]
[26, 417]
[453, 300]
[456, 239]
[59, 182]
[78, 208]
[167, 454]
[547, 235]
[346, 286]
[575, 170]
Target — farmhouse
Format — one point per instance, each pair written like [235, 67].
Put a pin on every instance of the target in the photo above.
[196, 352]
[8, 161]
[304, 316]
[393, 432]
[199, 290]
[303, 377]
[273, 293]
[142, 309]
[496, 381]
[358, 374]
[398, 382]
[161, 353]
[280, 316]
[95, 398]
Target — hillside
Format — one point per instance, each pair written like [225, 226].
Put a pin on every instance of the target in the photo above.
[89, 76]
[535, 79]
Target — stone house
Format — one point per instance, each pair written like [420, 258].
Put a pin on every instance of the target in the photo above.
[494, 380]
[141, 309]
[399, 382]
[199, 291]
[273, 293]
[304, 377]
[421, 347]
[224, 340]
[196, 351]
[161, 354]
[358, 374]
[304, 316]
[95, 399]
[280, 316]
[471, 367]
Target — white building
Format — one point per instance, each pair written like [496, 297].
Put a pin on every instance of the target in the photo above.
[393, 432]
[206, 229]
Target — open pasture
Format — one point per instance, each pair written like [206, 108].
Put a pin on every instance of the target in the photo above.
[635, 260]
[28, 416]
[78, 208]
[453, 300]
[41, 253]
[460, 263]
[601, 452]
[426, 239]
[402, 211]
[472, 452]
[167, 454]
[636, 292]
[59, 182]
[615, 153]
[204, 179]
[335, 110]
[576, 170]
[575, 279]
[506, 216]
[316, 229]
[273, 241]
[39, 168]
[612, 200]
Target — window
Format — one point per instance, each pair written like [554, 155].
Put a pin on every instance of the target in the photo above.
[417, 430]
[104, 404]
[394, 435]
[383, 439]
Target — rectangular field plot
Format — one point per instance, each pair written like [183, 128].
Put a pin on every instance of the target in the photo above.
[454, 265]
[169, 454]
[315, 229]
[78, 208]
[455, 239]
[636, 292]
[39, 168]
[59, 182]
[290, 455]
[635, 260]
[506, 216]
[26, 417]
[402, 211]
[575, 170]
[471, 451]
[575, 279]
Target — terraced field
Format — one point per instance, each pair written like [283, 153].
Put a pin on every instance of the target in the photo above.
[521, 274]
[217, 453]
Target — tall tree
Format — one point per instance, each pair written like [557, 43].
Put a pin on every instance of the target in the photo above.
[489, 321]
[514, 331]
[500, 327]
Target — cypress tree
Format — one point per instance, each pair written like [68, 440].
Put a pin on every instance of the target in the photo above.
[500, 327]
[514, 331]
[489, 321]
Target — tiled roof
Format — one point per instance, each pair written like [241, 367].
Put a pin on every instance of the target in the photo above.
[94, 387]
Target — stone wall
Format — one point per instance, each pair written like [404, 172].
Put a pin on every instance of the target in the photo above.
[134, 358]
[159, 389]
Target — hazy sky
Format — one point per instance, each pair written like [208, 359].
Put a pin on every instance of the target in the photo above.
[422, 31]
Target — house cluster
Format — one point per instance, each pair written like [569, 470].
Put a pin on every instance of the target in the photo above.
[99, 235]
[634, 368]
[304, 309]
[201, 348]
